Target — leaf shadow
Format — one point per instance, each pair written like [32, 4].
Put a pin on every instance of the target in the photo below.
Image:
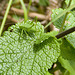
[40, 46]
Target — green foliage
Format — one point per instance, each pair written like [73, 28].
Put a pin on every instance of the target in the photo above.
[45, 36]
[67, 51]
[32, 29]
[55, 13]
[67, 57]
[5, 16]
[26, 50]
[67, 2]
[19, 55]
[69, 65]
[73, 12]
[69, 22]
[47, 73]
[25, 10]
[29, 26]
[44, 2]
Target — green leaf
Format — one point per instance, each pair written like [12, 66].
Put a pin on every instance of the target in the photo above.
[73, 12]
[67, 2]
[68, 65]
[34, 35]
[67, 57]
[69, 23]
[19, 55]
[55, 13]
[45, 36]
[67, 51]
[47, 73]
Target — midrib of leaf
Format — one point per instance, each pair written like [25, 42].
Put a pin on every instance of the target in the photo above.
[61, 29]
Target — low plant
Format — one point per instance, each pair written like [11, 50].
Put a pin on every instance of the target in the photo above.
[25, 49]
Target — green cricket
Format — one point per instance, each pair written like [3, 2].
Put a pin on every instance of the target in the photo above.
[28, 26]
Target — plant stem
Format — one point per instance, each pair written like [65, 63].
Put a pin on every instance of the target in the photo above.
[65, 11]
[30, 2]
[5, 16]
[65, 32]
[61, 29]
[69, 3]
[25, 10]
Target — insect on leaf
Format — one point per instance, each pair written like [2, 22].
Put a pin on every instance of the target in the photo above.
[24, 57]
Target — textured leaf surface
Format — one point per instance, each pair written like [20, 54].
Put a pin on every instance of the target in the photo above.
[69, 23]
[38, 27]
[45, 36]
[68, 65]
[55, 13]
[20, 56]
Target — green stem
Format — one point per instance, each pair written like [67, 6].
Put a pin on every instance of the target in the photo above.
[61, 29]
[30, 2]
[25, 10]
[69, 3]
[5, 16]
[65, 11]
